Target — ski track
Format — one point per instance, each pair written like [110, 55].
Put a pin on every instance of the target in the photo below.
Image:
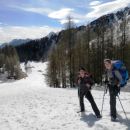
[29, 104]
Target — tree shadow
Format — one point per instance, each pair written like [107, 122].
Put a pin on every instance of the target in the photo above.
[89, 119]
[124, 121]
[7, 81]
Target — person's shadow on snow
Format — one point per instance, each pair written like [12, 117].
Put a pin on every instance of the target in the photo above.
[89, 119]
[124, 121]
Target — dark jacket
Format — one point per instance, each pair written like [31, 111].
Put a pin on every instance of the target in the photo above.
[85, 83]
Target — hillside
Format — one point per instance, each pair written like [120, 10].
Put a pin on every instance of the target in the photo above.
[29, 104]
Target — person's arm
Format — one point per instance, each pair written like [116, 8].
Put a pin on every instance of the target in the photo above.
[119, 77]
[78, 80]
[89, 82]
[106, 80]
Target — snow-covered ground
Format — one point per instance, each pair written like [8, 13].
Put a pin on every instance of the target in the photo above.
[28, 104]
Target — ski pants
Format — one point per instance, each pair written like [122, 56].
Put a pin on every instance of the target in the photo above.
[90, 98]
[113, 91]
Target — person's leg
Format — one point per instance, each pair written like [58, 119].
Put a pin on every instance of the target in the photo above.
[93, 104]
[112, 102]
[81, 99]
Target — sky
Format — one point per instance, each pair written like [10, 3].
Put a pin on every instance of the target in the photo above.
[21, 19]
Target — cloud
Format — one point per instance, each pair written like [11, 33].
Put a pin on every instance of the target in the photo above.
[38, 10]
[64, 21]
[105, 8]
[93, 3]
[8, 33]
[42, 11]
[55, 14]
[61, 14]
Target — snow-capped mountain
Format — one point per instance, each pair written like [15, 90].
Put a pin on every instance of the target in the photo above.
[17, 42]
[51, 34]
[112, 18]
[40, 48]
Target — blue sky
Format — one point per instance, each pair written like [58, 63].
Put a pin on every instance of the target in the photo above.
[36, 18]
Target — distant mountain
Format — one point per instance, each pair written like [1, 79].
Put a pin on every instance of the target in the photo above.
[16, 42]
[37, 49]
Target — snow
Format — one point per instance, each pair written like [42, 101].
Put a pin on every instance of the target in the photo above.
[29, 104]
[51, 34]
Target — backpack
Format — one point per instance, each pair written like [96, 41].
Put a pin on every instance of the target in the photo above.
[119, 65]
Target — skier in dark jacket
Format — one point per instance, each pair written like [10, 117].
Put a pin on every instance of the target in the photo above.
[85, 82]
[113, 81]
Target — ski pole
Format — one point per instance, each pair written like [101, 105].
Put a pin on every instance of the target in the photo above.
[105, 91]
[79, 95]
[122, 107]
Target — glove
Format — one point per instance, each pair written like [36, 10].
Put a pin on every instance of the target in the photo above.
[106, 81]
[117, 91]
[122, 84]
[88, 86]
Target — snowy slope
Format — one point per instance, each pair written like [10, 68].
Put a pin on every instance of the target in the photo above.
[28, 104]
